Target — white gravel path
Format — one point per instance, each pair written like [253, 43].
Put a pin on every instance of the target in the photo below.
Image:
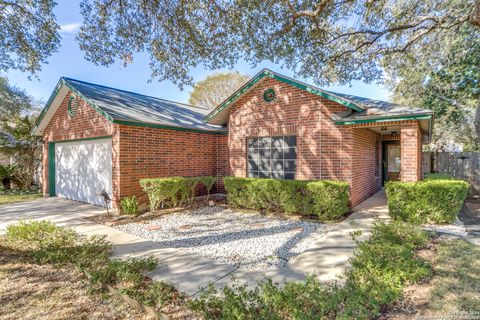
[250, 241]
[457, 228]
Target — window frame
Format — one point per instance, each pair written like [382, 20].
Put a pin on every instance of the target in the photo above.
[292, 161]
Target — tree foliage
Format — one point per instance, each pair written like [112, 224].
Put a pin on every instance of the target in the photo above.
[29, 34]
[17, 119]
[328, 41]
[214, 89]
[13, 100]
[17, 141]
[447, 82]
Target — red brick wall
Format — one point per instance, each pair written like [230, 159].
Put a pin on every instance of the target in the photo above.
[324, 150]
[151, 153]
[139, 152]
[366, 168]
[411, 150]
[87, 123]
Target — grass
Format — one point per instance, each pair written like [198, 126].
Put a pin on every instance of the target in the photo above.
[456, 284]
[29, 290]
[55, 247]
[14, 195]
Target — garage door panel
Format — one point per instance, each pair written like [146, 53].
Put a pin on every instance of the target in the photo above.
[83, 169]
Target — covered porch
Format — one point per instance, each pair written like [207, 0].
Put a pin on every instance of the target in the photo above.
[386, 150]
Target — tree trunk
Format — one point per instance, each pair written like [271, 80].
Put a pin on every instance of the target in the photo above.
[475, 15]
[477, 123]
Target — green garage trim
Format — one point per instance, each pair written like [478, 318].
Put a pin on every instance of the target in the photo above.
[51, 169]
[51, 160]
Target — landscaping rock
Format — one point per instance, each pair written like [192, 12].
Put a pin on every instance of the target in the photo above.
[247, 240]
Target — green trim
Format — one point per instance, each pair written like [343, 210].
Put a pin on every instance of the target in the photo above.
[91, 104]
[51, 169]
[51, 161]
[267, 73]
[318, 92]
[161, 126]
[62, 81]
[54, 94]
[385, 119]
[82, 139]
[47, 105]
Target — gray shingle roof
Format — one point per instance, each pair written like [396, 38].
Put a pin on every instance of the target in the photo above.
[377, 108]
[133, 107]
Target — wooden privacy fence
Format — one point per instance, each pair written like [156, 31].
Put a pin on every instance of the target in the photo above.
[463, 165]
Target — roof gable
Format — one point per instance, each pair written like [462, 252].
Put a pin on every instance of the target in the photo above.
[124, 107]
[219, 115]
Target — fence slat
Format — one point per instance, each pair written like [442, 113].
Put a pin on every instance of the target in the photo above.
[463, 165]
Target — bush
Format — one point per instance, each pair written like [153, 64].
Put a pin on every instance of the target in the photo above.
[435, 199]
[173, 191]
[327, 200]
[381, 268]
[47, 243]
[129, 205]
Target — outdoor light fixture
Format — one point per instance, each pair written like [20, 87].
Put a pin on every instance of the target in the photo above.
[384, 128]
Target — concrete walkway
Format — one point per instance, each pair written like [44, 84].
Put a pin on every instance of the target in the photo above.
[472, 227]
[185, 271]
[327, 258]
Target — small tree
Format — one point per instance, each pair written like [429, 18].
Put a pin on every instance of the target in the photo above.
[217, 87]
[16, 141]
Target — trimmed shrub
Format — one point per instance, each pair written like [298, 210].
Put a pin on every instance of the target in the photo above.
[436, 199]
[173, 191]
[129, 205]
[208, 182]
[327, 200]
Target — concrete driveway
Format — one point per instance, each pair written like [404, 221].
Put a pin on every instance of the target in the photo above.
[186, 272]
[60, 211]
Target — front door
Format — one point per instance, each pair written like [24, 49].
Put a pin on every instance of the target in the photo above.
[391, 160]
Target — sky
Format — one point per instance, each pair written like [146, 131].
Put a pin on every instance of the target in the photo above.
[69, 62]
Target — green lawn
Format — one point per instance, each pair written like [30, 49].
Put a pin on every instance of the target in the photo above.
[456, 283]
[11, 196]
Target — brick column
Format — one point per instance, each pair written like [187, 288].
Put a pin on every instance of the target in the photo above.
[411, 152]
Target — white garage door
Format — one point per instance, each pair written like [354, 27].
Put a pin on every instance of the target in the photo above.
[83, 169]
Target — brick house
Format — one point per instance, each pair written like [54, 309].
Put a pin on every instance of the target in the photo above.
[98, 138]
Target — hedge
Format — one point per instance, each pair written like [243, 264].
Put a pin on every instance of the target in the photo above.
[381, 268]
[328, 200]
[437, 199]
[174, 191]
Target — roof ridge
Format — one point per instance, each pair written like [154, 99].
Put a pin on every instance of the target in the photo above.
[131, 92]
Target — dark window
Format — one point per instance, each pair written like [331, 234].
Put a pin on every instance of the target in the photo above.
[272, 157]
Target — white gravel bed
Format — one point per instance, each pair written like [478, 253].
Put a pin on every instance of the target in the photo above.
[457, 228]
[246, 240]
